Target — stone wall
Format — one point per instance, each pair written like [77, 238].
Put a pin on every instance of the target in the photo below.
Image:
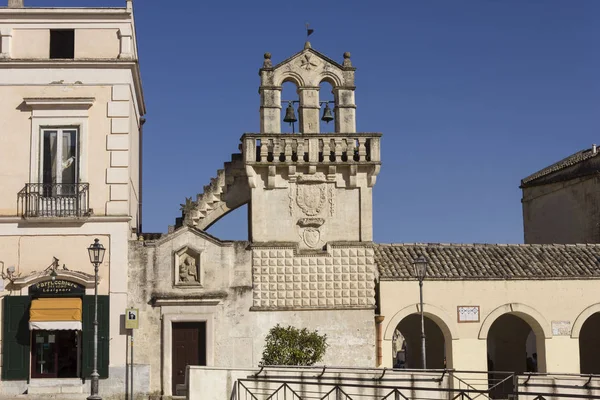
[223, 297]
[563, 212]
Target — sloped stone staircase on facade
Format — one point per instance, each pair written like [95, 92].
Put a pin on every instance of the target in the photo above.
[226, 192]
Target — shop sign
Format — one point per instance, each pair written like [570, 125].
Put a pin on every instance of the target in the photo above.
[59, 286]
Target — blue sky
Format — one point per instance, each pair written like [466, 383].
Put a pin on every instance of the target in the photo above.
[471, 96]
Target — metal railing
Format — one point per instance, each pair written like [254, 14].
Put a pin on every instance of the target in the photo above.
[275, 383]
[58, 200]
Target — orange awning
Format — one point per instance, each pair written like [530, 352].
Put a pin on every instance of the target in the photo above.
[55, 313]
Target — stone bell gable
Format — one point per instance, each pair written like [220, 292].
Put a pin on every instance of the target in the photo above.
[307, 69]
[309, 193]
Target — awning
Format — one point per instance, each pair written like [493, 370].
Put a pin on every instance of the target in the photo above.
[55, 313]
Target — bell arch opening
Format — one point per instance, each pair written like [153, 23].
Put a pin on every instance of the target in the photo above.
[327, 104]
[589, 345]
[289, 106]
[406, 344]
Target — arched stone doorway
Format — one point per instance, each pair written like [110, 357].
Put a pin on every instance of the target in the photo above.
[406, 344]
[512, 346]
[589, 345]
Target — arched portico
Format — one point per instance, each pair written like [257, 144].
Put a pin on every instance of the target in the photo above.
[436, 318]
[581, 318]
[515, 335]
[586, 330]
[529, 314]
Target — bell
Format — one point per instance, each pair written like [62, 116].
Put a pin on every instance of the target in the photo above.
[327, 114]
[290, 116]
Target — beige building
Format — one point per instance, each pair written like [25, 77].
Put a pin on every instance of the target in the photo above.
[71, 108]
[492, 306]
[560, 202]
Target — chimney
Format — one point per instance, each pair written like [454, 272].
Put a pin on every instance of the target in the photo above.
[15, 4]
[594, 149]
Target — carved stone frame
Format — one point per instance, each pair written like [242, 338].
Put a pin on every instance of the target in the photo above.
[178, 257]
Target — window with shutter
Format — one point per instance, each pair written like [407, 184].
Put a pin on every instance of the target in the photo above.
[88, 335]
[15, 338]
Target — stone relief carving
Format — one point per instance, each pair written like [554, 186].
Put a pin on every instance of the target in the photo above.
[307, 62]
[311, 198]
[187, 270]
[311, 237]
[312, 194]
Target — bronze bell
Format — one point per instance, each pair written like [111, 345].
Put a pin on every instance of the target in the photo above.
[327, 114]
[290, 116]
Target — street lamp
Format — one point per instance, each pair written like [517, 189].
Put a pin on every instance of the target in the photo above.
[420, 266]
[96, 252]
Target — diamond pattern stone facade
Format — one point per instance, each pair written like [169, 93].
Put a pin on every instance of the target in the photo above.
[343, 277]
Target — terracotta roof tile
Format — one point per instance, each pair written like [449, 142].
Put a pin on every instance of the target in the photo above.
[562, 164]
[489, 261]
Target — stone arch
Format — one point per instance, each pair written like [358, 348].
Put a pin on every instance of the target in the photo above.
[581, 318]
[534, 318]
[436, 314]
[221, 210]
[290, 76]
[333, 79]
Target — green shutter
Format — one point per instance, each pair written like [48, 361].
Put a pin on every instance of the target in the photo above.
[15, 338]
[88, 335]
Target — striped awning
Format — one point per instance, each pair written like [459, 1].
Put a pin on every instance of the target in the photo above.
[55, 313]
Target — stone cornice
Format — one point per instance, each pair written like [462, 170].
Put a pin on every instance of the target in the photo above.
[101, 63]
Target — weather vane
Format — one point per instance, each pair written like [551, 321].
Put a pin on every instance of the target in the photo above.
[308, 31]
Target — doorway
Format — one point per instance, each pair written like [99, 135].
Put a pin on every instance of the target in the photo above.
[189, 348]
[55, 354]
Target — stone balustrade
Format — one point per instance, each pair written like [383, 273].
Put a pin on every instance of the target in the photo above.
[334, 148]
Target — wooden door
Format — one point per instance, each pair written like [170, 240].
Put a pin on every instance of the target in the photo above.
[189, 348]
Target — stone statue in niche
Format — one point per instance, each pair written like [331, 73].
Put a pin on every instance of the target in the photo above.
[188, 270]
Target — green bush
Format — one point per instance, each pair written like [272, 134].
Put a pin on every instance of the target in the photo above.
[293, 346]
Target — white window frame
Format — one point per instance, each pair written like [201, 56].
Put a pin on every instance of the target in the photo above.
[48, 113]
[59, 130]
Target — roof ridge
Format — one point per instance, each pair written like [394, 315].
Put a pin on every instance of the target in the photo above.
[561, 164]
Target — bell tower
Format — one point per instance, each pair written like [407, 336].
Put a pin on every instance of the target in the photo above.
[310, 188]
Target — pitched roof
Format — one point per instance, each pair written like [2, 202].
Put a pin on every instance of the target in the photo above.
[562, 164]
[490, 261]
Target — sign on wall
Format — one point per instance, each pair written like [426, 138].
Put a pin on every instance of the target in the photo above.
[56, 287]
[132, 320]
[561, 328]
[468, 313]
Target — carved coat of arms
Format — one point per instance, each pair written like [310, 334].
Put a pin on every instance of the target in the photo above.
[311, 198]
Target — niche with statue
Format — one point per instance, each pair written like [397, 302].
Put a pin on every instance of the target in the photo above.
[187, 272]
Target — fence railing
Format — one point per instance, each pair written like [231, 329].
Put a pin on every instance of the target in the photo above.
[277, 383]
[43, 200]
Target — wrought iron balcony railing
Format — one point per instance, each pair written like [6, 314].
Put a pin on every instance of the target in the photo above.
[58, 200]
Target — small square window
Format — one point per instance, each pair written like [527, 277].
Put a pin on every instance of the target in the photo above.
[62, 43]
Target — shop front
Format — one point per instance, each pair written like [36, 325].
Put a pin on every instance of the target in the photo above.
[49, 332]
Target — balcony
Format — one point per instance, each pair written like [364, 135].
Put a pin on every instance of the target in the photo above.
[54, 200]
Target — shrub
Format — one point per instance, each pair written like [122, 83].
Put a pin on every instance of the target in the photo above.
[293, 346]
